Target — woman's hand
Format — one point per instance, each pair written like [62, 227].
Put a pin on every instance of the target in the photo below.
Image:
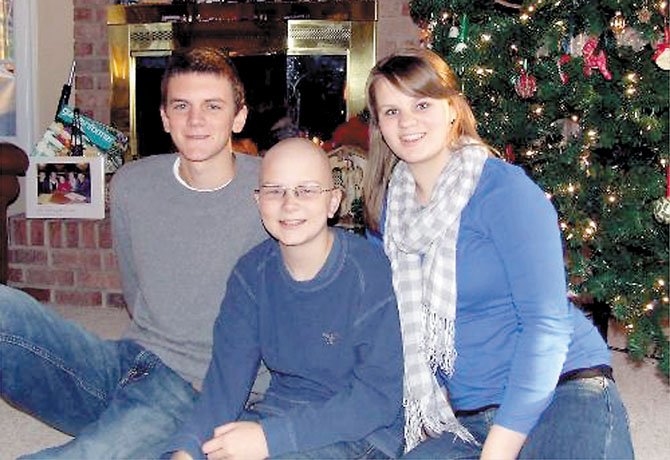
[502, 444]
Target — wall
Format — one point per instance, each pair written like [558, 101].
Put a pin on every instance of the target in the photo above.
[53, 44]
[65, 262]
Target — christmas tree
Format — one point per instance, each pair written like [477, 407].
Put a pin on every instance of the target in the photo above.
[576, 92]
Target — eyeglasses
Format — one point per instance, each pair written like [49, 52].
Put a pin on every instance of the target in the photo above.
[300, 192]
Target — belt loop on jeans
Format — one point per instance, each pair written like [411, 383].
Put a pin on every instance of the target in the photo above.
[586, 373]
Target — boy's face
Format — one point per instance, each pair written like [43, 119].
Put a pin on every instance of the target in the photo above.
[200, 116]
[297, 222]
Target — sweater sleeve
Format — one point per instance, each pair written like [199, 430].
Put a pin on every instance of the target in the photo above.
[231, 373]
[524, 228]
[370, 402]
[122, 241]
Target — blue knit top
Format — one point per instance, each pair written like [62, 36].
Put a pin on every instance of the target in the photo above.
[332, 345]
[516, 330]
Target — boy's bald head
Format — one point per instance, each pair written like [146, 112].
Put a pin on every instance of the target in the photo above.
[305, 158]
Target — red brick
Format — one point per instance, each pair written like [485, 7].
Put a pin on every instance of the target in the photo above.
[101, 15]
[98, 280]
[28, 256]
[102, 49]
[103, 82]
[42, 295]
[71, 234]
[77, 298]
[84, 82]
[105, 234]
[95, 3]
[18, 235]
[93, 99]
[87, 66]
[83, 49]
[15, 275]
[88, 234]
[109, 261]
[50, 277]
[115, 299]
[55, 234]
[89, 32]
[83, 14]
[36, 232]
[76, 258]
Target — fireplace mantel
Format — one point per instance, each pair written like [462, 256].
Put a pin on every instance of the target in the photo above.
[340, 28]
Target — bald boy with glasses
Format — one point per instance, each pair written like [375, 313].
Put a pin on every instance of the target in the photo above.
[316, 305]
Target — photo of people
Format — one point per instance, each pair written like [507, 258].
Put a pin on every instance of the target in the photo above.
[63, 183]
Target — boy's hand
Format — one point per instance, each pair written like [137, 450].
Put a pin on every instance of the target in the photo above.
[181, 455]
[237, 440]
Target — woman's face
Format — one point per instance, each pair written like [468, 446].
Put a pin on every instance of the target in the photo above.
[414, 127]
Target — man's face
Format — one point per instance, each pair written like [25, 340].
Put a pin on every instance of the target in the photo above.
[200, 115]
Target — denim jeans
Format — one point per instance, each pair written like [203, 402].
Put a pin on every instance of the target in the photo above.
[585, 420]
[117, 399]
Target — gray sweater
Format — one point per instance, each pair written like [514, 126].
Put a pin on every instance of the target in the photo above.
[176, 248]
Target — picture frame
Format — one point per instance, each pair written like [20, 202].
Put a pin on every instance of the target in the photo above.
[65, 187]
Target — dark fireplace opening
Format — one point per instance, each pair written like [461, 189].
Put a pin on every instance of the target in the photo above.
[287, 95]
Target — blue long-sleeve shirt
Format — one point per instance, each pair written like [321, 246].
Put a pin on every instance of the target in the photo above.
[516, 331]
[332, 346]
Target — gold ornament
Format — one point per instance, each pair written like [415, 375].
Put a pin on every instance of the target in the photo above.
[644, 15]
[662, 210]
[618, 23]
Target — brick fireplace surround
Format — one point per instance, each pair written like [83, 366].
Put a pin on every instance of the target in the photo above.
[71, 262]
[64, 261]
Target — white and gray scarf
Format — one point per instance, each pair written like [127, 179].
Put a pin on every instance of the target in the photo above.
[420, 241]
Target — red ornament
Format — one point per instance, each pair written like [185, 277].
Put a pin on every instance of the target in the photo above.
[564, 59]
[662, 54]
[594, 59]
[509, 153]
[526, 85]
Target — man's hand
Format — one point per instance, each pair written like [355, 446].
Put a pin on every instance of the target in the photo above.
[237, 441]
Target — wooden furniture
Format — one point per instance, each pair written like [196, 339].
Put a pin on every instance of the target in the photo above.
[13, 163]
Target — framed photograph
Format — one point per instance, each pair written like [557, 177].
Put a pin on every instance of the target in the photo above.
[65, 187]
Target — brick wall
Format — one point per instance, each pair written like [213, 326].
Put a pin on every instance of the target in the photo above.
[91, 54]
[64, 261]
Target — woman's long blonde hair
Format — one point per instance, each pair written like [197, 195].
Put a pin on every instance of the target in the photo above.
[416, 72]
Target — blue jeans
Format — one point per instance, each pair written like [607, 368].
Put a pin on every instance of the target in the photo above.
[585, 419]
[116, 398]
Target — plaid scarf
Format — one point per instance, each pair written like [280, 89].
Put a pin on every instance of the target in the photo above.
[420, 241]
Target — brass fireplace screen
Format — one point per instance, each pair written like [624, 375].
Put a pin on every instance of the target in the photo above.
[304, 64]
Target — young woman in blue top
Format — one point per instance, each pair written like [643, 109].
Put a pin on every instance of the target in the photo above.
[498, 363]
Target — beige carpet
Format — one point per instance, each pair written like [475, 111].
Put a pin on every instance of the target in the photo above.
[646, 395]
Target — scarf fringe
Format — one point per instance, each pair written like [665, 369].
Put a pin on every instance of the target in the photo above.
[439, 334]
[422, 421]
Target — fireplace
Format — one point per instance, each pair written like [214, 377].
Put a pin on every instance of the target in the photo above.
[303, 64]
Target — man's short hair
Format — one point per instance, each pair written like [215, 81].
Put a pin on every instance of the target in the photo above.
[203, 60]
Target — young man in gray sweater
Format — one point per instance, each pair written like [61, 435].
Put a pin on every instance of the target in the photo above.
[179, 224]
